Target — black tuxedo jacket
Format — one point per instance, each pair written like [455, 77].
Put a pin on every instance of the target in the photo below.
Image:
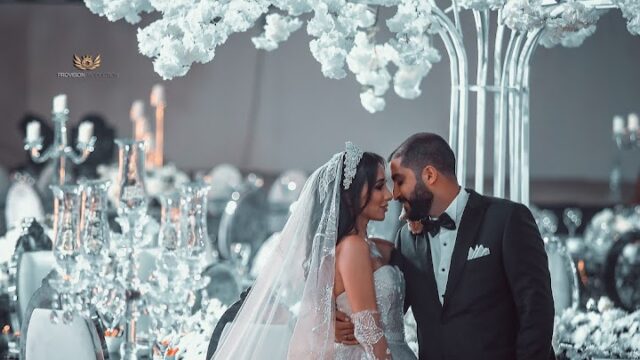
[496, 307]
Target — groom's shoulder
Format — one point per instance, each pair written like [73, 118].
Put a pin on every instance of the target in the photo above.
[501, 205]
[498, 202]
[495, 201]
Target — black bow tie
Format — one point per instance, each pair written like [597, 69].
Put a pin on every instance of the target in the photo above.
[443, 221]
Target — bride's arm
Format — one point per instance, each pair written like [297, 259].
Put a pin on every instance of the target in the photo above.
[354, 265]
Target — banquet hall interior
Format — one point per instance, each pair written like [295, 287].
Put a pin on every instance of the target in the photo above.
[125, 122]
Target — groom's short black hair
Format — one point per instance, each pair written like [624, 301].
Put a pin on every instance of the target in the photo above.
[423, 149]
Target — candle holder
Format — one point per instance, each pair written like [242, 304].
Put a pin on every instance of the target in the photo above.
[626, 137]
[99, 270]
[59, 151]
[158, 101]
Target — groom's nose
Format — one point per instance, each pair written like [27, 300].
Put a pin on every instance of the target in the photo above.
[396, 193]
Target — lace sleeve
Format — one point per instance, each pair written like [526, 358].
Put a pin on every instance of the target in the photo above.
[370, 335]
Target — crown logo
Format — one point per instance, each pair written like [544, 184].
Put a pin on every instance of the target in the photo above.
[86, 62]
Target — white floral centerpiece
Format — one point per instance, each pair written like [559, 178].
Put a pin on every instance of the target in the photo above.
[603, 332]
[193, 344]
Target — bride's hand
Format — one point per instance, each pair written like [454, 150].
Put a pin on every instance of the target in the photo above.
[344, 329]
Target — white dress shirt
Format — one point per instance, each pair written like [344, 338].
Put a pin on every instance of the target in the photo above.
[443, 243]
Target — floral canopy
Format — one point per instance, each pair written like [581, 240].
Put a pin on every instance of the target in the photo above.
[343, 33]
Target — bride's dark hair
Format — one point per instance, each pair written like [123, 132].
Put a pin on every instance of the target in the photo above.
[351, 204]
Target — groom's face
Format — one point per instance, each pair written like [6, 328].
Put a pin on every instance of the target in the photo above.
[411, 191]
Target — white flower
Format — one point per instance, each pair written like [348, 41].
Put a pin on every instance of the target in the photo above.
[580, 335]
[194, 344]
[523, 15]
[413, 17]
[631, 11]
[322, 21]
[334, 6]
[172, 59]
[354, 16]
[278, 28]
[575, 39]
[369, 63]
[607, 333]
[241, 15]
[330, 51]
[371, 102]
[634, 342]
[569, 24]
[406, 81]
[604, 304]
[119, 9]
[168, 7]
[189, 32]
[415, 50]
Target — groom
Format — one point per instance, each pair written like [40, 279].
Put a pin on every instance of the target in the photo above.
[476, 277]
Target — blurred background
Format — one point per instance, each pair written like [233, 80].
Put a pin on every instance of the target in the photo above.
[247, 129]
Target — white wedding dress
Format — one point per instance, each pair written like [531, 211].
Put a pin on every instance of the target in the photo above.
[290, 311]
[389, 285]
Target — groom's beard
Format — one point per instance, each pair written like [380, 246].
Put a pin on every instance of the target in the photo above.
[420, 203]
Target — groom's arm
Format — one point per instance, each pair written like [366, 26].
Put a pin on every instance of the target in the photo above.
[527, 270]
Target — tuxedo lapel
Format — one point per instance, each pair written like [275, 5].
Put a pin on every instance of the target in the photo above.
[467, 234]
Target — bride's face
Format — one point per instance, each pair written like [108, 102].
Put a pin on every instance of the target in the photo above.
[380, 196]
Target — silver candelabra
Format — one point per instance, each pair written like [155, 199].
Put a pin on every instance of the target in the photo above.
[99, 270]
[59, 151]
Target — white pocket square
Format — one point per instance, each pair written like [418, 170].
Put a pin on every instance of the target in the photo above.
[477, 252]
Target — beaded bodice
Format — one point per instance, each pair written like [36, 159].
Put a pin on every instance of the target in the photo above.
[389, 286]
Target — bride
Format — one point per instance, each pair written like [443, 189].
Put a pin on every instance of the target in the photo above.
[325, 263]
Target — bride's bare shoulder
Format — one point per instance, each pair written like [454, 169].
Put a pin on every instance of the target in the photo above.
[352, 245]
